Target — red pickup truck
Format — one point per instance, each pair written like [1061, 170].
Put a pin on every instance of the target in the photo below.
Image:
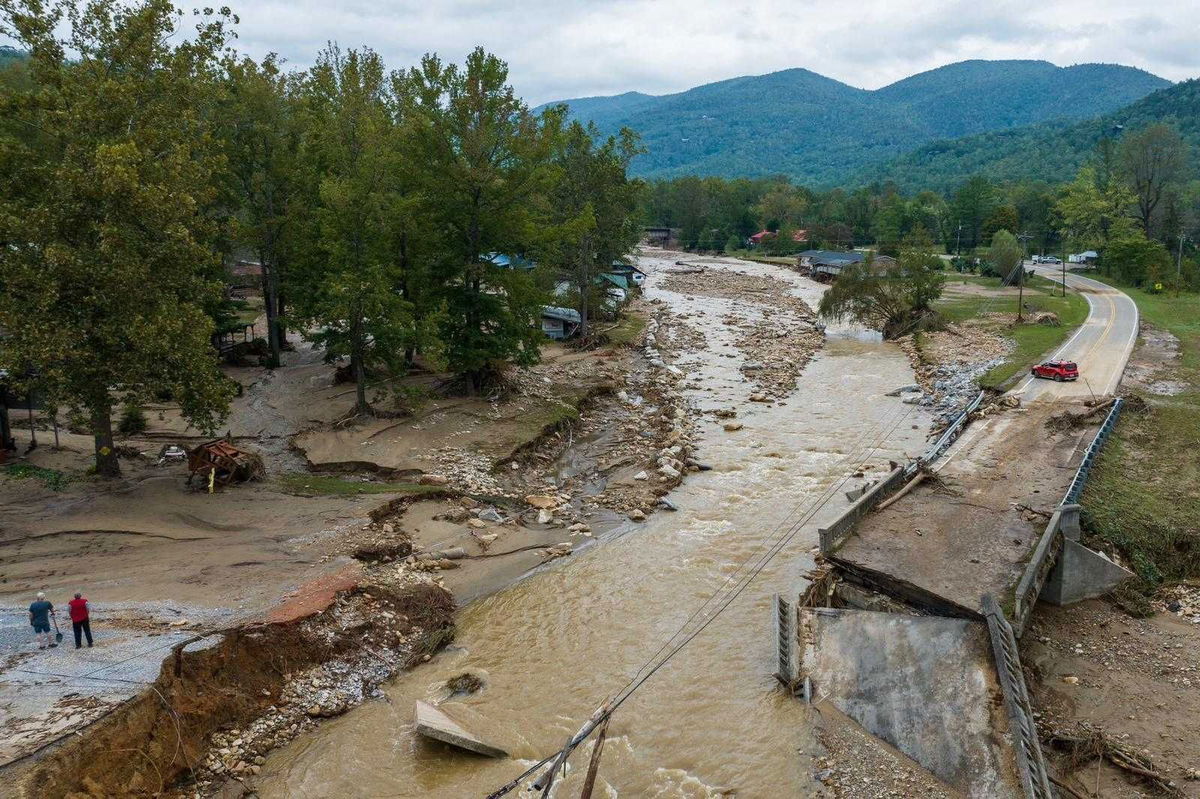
[1056, 370]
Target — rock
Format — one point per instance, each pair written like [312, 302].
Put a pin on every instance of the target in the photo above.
[433, 480]
[641, 476]
[752, 366]
[904, 390]
[1071, 680]
[663, 502]
[541, 501]
[637, 515]
[731, 427]
[476, 524]
[491, 515]
[468, 503]
[759, 398]
[666, 470]
[545, 516]
[486, 538]
[454, 553]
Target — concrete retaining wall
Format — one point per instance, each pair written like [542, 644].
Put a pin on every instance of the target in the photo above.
[838, 531]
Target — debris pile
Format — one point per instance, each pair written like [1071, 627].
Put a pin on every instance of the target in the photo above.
[949, 364]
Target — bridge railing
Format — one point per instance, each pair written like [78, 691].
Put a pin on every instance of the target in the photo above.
[948, 436]
[1050, 545]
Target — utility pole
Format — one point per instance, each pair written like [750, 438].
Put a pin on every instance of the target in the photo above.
[1024, 239]
[1064, 262]
[1179, 257]
[958, 241]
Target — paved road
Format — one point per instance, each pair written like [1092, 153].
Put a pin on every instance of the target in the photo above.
[1101, 346]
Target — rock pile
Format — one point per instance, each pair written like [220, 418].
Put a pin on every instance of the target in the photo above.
[948, 365]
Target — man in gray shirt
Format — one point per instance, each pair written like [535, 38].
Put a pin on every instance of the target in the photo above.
[39, 617]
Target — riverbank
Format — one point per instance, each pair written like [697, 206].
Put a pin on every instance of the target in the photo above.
[486, 517]
[581, 626]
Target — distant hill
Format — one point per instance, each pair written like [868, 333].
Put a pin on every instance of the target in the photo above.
[1048, 151]
[819, 130]
[9, 55]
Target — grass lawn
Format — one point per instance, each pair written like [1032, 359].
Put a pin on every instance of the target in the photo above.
[333, 485]
[1033, 341]
[627, 330]
[1143, 496]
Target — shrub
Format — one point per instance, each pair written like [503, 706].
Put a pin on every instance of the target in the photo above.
[133, 420]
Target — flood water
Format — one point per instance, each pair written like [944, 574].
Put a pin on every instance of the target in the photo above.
[554, 646]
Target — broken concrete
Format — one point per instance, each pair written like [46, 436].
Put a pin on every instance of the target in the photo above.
[926, 685]
[1081, 574]
[433, 723]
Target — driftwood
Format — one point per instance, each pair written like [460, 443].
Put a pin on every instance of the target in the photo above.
[1089, 744]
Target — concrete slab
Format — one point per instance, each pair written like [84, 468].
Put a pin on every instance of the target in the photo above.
[924, 684]
[433, 723]
[1081, 574]
[944, 547]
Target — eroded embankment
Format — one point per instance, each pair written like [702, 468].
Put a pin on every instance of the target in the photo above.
[215, 711]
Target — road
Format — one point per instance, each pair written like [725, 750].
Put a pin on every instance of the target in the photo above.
[1101, 346]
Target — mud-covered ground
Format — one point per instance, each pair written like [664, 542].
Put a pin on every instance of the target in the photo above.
[466, 494]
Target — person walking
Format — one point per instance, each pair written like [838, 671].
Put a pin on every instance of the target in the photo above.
[78, 608]
[39, 616]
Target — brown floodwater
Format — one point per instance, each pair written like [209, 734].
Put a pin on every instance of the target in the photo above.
[554, 646]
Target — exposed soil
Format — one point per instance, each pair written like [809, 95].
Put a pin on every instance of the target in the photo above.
[244, 692]
[1136, 680]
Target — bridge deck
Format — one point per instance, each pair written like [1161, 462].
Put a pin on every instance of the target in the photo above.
[947, 545]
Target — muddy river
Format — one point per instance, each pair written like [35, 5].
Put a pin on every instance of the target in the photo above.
[554, 646]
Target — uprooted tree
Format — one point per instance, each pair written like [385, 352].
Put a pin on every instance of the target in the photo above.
[895, 297]
[107, 217]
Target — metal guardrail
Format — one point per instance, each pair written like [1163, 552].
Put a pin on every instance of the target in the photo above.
[1027, 746]
[1050, 545]
[1085, 468]
[947, 437]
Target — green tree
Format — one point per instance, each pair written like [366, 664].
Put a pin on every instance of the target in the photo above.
[486, 167]
[1153, 160]
[346, 286]
[262, 141]
[1138, 261]
[973, 204]
[894, 298]
[1093, 209]
[1008, 256]
[592, 204]
[1002, 217]
[108, 212]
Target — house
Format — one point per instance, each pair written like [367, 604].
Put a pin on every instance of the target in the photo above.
[505, 261]
[1088, 257]
[798, 236]
[630, 272]
[825, 265]
[560, 323]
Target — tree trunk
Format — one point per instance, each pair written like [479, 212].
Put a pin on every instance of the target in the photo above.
[107, 464]
[361, 406]
[269, 283]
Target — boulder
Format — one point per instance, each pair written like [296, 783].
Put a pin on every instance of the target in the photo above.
[433, 480]
[541, 501]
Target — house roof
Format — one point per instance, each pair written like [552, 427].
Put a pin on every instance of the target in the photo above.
[564, 314]
[617, 280]
[621, 266]
[760, 235]
[505, 261]
[832, 257]
[1088, 254]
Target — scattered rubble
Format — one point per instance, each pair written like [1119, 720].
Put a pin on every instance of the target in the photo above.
[948, 365]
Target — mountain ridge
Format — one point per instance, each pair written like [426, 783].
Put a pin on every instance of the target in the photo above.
[818, 129]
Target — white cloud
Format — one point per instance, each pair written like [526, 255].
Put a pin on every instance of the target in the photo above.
[568, 48]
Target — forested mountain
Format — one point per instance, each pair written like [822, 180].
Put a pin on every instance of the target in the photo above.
[819, 130]
[1048, 151]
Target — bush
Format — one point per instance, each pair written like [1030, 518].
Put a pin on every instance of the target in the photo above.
[133, 420]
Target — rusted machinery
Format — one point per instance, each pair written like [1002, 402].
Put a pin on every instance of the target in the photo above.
[221, 463]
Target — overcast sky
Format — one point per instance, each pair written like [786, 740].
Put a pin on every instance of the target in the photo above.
[559, 49]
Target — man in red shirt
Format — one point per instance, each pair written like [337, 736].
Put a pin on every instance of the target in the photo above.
[78, 608]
